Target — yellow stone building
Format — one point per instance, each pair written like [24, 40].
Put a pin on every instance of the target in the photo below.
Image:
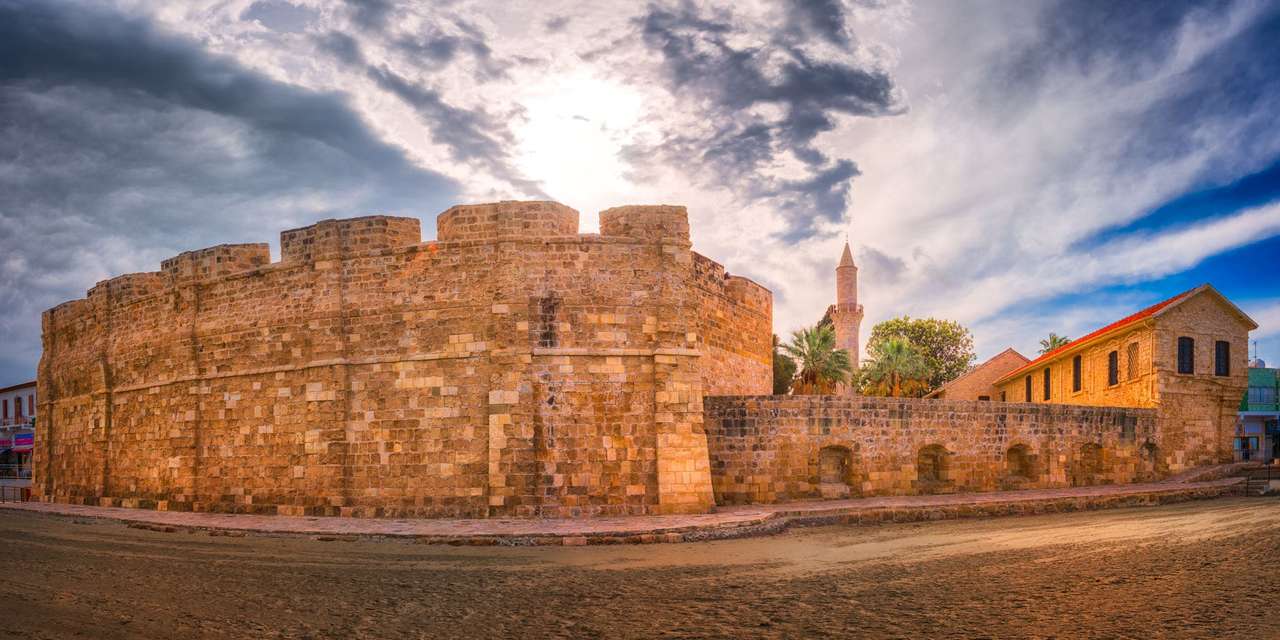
[1185, 357]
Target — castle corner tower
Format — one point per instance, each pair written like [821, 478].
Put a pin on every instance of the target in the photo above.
[846, 313]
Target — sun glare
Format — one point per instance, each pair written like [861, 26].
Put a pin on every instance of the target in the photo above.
[576, 125]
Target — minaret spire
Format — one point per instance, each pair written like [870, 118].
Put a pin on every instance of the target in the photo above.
[846, 313]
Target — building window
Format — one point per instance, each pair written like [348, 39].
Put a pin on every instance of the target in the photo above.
[17, 407]
[1186, 355]
[1113, 368]
[1002, 397]
[986, 398]
[1222, 358]
[31, 404]
[1075, 373]
[1129, 428]
[1046, 384]
[1131, 361]
[6, 408]
[1262, 395]
[1027, 384]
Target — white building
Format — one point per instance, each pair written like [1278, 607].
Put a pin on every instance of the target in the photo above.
[18, 405]
[17, 429]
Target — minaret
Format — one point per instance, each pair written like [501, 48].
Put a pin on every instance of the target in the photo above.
[846, 314]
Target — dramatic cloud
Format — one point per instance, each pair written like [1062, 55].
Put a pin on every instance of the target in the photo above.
[763, 98]
[121, 146]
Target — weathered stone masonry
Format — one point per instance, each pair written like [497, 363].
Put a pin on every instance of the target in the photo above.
[776, 448]
[513, 367]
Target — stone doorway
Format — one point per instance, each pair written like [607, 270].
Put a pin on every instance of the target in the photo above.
[835, 472]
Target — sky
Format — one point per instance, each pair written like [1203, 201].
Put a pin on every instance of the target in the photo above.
[1020, 167]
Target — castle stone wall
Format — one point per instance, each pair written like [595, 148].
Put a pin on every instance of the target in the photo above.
[777, 448]
[512, 368]
[736, 316]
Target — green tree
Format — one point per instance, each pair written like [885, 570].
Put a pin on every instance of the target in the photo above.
[784, 370]
[895, 368]
[1053, 342]
[821, 366]
[945, 346]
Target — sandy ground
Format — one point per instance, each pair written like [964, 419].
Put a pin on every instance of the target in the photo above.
[1192, 570]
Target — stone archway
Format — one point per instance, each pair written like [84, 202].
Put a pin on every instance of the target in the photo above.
[933, 469]
[1019, 464]
[1148, 462]
[1087, 470]
[835, 472]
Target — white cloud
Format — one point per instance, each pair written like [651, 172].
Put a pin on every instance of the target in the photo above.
[1267, 315]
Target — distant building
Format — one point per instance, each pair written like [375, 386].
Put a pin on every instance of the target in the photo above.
[978, 383]
[1258, 431]
[17, 429]
[18, 405]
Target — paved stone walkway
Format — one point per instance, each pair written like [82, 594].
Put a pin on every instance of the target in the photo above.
[726, 522]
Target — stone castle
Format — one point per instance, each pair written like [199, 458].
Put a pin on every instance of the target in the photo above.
[514, 367]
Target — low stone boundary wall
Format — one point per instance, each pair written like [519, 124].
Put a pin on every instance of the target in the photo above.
[767, 449]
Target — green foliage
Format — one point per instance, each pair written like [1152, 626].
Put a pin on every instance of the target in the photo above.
[1053, 342]
[894, 368]
[944, 346]
[821, 365]
[784, 370]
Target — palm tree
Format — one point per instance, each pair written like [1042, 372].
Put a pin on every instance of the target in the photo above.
[821, 366]
[1053, 342]
[784, 370]
[895, 369]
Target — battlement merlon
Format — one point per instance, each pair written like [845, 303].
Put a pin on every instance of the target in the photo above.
[749, 294]
[331, 238]
[128, 287]
[711, 275]
[507, 219]
[655, 223]
[213, 262]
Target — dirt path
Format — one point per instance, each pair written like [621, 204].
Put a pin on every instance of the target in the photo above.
[1189, 570]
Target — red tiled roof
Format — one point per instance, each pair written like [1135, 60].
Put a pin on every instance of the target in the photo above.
[1118, 324]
